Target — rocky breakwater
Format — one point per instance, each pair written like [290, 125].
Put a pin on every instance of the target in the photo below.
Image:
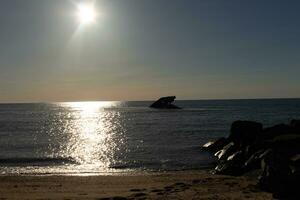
[273, 151]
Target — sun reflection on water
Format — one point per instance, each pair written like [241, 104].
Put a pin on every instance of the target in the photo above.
[93, 134]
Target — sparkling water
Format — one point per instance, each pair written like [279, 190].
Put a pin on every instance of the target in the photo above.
[112, 137]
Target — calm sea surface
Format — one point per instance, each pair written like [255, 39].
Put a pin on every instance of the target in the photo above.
[112, 137]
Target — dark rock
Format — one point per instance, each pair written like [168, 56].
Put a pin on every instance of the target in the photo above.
[274, 131]
[244, 132]
[254, 161]
[276, 150]
[232, 166]
[265, 139]
[296, 125]
[253, 148]
[165, 103]
[295, 164]
[228, 150]
[215, 146]
[296, 159]
[281, 171]
[279, 177]
[286, 145]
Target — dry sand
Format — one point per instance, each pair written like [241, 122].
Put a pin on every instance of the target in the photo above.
[168, 185]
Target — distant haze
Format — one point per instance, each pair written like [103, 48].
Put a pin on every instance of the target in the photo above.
[144, 49]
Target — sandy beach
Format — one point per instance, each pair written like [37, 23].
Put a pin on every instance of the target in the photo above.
[165, 185]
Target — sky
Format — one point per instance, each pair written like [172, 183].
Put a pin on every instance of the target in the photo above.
[144, 49]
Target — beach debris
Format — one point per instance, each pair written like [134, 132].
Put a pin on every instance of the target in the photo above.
[165, 103]
[274, 151]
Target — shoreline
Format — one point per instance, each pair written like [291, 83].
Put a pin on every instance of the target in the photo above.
[189, 184]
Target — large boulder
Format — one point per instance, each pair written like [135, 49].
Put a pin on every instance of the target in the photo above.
[165, 103]
[232, 166]
[276, 150]
[296, 125]
[281, 166]
[227, 150]
[214, 146]
[281, 175]
[265, 139]
[277, 130]
[295, 165]
[286, 145]
[254, 161]
[245, 132]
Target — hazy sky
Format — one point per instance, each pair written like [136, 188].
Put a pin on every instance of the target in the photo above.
[143, 49]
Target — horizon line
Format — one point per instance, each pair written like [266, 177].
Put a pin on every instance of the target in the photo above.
[146, 100]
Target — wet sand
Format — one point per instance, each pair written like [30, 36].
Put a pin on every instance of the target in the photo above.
[168, 185]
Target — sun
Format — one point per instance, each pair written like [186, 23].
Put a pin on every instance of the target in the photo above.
[86, 13]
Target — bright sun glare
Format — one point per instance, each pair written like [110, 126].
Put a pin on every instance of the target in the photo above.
[86, 13]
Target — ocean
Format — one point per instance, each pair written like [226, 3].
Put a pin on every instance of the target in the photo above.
[123, 137]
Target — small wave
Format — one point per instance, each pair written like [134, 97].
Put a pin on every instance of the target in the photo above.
[36, 161]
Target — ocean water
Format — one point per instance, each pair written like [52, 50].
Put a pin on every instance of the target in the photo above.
[112, 137]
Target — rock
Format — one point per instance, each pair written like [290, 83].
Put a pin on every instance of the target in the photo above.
[232, 166]
[239, 155]
[228, 150]
[279, 177]
[286, 145]
[244, 132]
[276, 150]
[282, 146]
[254, 161]
[296, 125]
[296, 159]
[277, 130]
[165, 103]
[295, 164]
[214, 146]
[281, 174]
